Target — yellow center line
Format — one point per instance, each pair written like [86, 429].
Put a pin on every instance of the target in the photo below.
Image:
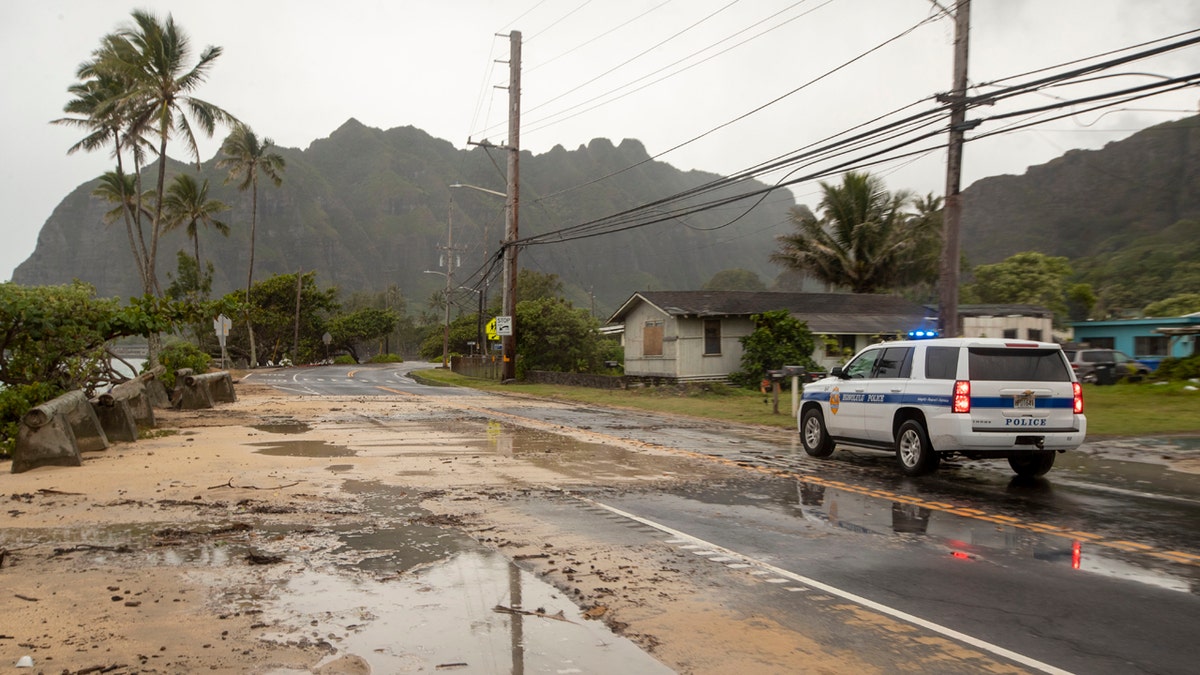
[964, 512]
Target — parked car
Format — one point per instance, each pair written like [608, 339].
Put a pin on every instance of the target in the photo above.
[928, 399]
[1105, 366]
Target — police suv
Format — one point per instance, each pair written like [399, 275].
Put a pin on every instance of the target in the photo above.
[925, 399]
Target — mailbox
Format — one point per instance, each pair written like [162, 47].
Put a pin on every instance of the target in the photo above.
[794, 371]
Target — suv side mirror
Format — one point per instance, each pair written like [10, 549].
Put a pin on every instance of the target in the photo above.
[837, 372]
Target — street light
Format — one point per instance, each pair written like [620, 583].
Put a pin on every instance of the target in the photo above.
[480, 189]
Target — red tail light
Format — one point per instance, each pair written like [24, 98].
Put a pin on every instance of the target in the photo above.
[1078, 405]
[962, 397]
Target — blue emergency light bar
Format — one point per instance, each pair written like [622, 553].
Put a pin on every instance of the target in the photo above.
[922, 334]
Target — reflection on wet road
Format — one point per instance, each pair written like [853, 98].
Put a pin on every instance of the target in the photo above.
[420, 597]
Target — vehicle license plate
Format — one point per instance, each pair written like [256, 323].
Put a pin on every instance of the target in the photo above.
[1023, 400]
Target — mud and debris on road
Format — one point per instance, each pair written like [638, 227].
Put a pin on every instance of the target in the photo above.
[281, 534]
[307, 534]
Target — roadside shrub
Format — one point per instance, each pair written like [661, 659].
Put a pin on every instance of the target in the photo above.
[386, 358]
[1178, 369]
[344, 360]
[182, 355]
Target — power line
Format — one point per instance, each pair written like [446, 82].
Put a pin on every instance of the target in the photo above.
[747, 114]
[548, 121]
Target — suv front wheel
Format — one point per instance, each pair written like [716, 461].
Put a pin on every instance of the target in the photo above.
[813, 435]
[914, 451]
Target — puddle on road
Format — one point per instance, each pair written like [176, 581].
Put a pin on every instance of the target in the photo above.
[415, 597]
[303, 449]
[400, 593]
[445, 618]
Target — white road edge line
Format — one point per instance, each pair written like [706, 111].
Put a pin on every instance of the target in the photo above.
[832, 590]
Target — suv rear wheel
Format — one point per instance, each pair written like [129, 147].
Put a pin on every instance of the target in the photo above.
[1032, 464]
[813, 435]
[914, 451]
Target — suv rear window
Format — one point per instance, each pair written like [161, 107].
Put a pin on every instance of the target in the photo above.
[1028, 364]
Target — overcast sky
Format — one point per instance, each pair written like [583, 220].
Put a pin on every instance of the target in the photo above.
[297, 70]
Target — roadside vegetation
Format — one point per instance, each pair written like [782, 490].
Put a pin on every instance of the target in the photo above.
[1128, 409]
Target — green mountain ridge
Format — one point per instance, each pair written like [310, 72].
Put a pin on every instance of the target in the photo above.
[368, 208]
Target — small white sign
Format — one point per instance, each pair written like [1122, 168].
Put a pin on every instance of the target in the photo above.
[504, 325]
[221, 326]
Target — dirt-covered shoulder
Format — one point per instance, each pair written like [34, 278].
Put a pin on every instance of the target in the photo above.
[165, 555]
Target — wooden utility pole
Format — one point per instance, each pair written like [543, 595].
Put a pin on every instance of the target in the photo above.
[508, 369]
[449, 276]
[948, 324]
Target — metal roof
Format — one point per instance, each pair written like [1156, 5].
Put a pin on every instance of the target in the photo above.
[823, 312]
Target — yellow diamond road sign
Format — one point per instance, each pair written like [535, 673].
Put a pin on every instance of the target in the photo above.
[491, 331]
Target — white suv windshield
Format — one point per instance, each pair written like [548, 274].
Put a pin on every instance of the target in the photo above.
[1027, 364]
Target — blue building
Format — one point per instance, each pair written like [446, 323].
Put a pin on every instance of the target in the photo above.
[1149, 340]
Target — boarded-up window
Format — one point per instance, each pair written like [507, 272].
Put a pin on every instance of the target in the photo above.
[652, 338]
[712, 336]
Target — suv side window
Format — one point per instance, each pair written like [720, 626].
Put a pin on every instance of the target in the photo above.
[862, 366]
[941, 363]
[895, 362]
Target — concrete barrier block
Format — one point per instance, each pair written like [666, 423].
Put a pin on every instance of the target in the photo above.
[192, 394]
[156, 391]
[116, 419]
[137, 396]
[56, 432]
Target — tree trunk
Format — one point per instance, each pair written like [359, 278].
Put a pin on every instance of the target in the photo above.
[250, 274]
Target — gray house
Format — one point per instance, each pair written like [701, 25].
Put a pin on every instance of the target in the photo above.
[693, 335]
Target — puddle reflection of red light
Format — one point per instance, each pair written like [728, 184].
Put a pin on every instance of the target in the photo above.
[1076, 554]
[960, 555]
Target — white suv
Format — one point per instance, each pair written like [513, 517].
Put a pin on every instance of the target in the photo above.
[976, 397]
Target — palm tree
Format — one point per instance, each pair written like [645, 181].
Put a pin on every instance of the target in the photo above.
[864, 240]
[121, 189]
[187, 202]
[94, 111]
[245, 156]
[148, 59]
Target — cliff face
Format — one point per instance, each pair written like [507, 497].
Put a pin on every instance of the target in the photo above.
[368, 208]
[1088, 202]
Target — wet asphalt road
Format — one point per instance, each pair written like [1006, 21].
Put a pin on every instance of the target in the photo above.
[1093, 569]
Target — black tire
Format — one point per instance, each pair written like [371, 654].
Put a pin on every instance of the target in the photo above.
[813, 435]
[1032, 464]
[914, 452]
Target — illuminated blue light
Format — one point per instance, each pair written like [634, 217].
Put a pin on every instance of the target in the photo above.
[922, 334]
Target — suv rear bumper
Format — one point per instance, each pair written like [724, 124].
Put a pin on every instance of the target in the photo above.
[955, 432]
